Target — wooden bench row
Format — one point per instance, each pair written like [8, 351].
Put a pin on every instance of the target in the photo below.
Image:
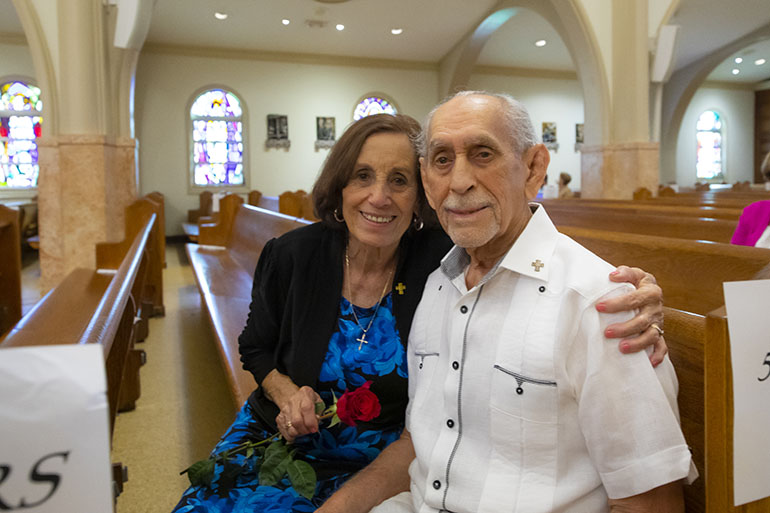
[224, 273]
[10, 269]
[108, 306]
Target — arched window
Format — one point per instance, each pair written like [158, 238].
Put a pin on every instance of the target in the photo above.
[708, 163]
[20, 118]
[373, 104]
[217, 140]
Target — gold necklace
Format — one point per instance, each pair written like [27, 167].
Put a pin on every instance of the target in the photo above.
[362, 340]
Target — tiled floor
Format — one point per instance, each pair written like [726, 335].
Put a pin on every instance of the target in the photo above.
[185, 405]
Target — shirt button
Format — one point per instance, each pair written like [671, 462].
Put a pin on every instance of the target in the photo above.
[436, 484]
[464, 309]
[542, 289]
[450, 423]
[455, 365]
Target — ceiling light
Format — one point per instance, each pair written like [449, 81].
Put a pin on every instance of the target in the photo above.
[540, 43]
[340, 26]
[738, 60]
[760, 62]
[220, 15]
[396, 31]
[736, 71]
[285, 21]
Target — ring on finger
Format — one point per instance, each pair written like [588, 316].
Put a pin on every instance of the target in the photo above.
[289, 425]
[657, 328]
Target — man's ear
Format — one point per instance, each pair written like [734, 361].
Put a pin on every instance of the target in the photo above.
[536, 159]
[425, 187]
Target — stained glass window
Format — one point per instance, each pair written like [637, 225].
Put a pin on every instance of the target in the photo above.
[708, 163]
[20, 118]
[217, 139]
[373, 105]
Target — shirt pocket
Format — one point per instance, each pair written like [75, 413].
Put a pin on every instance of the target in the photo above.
[523, 415]
[530, 398]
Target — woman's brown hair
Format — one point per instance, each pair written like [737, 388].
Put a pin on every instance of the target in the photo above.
[338, 167]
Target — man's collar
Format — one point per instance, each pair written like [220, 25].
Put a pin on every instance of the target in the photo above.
[530, 255]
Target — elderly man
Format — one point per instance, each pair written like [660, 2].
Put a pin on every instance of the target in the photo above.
[517, 402]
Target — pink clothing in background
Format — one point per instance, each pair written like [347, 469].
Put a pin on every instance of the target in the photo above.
[752, 224]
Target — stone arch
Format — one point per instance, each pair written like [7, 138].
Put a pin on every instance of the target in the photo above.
[42, 61]
[681, 88]
[571, 23]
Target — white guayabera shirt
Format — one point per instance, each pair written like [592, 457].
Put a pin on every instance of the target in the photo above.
[517, 401]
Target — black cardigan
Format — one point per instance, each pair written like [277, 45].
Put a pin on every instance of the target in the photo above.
[296, 295]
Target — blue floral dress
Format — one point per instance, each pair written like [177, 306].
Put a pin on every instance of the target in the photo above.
[375, 369]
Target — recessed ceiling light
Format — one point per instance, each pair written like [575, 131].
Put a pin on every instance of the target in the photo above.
[220, 15]
[540, 43]
[760, 62]
[340, 26]
[738, 60]
[285, 21]
[736, 71]
[396, 31]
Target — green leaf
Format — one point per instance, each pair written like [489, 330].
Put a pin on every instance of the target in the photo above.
[335, 421]
[200, 473]
[274, 464]
[319, 407]
[249, 452]
[302, 477]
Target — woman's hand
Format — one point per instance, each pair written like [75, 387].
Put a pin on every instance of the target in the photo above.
[298, 417]
[641, 331]
[297, 405]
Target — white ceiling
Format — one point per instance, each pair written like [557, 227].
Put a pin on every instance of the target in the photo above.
[430, 29]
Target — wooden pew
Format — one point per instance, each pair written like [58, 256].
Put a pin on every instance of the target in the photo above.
[204, 209]
[224, 275]
[109, 255]
[690, 272]
[217, 232]
[10, 269]
[647, 208]
[96, 307]
[290, 203]
[160, 200]
[614, 220]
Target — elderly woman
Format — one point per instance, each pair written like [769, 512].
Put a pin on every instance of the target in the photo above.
[332, 306]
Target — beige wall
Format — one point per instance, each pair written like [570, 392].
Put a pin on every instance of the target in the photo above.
[737, 110]
[165, 84]
[15, 60]
[559, 101]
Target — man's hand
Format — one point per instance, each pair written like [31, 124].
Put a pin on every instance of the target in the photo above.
[641, 331]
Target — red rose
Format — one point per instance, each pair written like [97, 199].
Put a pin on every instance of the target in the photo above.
[359, 405]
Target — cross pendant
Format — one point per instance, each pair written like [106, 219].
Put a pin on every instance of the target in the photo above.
[361, 341]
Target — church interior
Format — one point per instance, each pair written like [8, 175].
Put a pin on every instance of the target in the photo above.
[152, 123]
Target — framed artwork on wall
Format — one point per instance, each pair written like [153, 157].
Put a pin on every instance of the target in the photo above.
[578, 136]
[277, 131]
[549, 136]
[325, 132]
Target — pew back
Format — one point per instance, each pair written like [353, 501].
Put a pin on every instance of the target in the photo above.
[10, 268]
[690, 272]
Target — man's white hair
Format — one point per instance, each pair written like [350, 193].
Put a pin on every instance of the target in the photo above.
[517, 119]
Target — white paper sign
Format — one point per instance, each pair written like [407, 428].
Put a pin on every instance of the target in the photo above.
[215, 198]
[748, 320]
[54, 433]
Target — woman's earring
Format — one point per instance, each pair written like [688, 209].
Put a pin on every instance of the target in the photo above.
[417, 221]
[337, 216]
